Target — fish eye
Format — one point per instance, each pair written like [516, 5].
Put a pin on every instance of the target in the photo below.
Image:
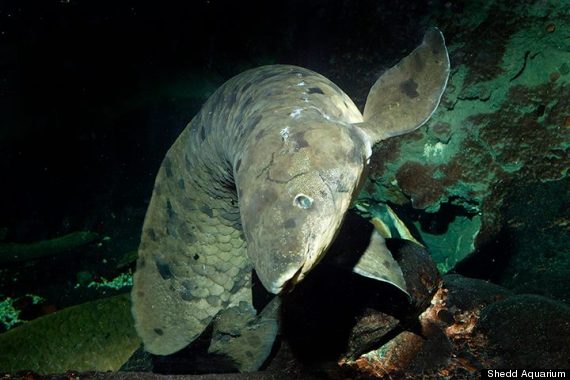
[303, 201]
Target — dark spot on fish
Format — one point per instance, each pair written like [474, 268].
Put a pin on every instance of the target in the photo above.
[355, 154]
[290, 223]
[385, 278]
[246, 103]
[169, 211]
[341, 187]
[238, 165]
[181, 185]
[186, 291]
[158, 331]
[233, 217]
[386, 263]
[207, 210]
[163, 268]
[315, 90]
[260, 135]
[238, 119]
[140, 293]
[409, 88]
[151, 234]
[299, 138]
[167, 167]
[202, 133]
[196, 256]
[186, 296]
[246, 86]
[230, 216]
[252, 122]
[323, 193]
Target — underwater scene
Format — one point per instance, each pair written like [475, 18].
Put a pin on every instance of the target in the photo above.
[306, 189]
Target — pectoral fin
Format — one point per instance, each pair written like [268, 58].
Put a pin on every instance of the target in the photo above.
[243, 336]
[406, 95]
[377, 263]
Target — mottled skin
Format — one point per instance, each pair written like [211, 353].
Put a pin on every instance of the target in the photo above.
[273, 159]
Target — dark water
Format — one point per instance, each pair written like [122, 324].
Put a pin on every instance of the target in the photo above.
[92, 94]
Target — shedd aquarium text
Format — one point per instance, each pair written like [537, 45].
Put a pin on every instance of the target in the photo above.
[523, 374]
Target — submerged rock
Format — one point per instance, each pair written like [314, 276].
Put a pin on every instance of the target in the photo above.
[470, 325]
[503, 126]
[527, 331]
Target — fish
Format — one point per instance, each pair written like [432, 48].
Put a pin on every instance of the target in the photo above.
[260, 180]
[93, 336]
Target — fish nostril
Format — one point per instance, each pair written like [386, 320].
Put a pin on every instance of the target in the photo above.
[303, 201]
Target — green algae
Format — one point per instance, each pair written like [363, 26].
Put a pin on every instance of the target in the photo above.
[455, 244]
[10, 315]
[501, 121]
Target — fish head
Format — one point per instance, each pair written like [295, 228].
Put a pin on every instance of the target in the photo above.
[294, 188]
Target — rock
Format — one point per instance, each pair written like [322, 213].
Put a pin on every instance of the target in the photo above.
[394, 357]
[527, 331]
[539, 262]
[370, 328]
[421, 275]
[469, 294]
[445, 344]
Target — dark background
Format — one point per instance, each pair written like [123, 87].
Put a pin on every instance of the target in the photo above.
[92, 93]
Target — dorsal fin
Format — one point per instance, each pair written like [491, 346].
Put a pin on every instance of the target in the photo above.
[405, 96]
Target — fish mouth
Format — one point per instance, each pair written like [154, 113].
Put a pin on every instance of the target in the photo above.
[287, 282]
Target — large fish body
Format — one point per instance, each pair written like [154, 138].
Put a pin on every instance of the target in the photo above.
[261, 179]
